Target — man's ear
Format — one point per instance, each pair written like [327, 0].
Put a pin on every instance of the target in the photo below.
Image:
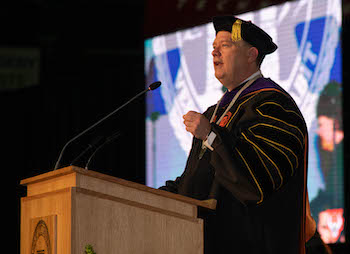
[252, 54]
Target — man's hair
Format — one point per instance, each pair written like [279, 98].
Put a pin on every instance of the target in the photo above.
[330, 102]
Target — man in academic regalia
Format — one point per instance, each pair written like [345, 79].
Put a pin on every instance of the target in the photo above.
[249, 151]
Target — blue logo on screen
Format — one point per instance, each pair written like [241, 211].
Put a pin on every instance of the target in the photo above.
[318, 42]
[155, 102]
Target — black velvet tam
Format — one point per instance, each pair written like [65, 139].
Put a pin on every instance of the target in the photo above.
[249, 32]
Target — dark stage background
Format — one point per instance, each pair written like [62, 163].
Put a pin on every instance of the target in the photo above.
[91, 61]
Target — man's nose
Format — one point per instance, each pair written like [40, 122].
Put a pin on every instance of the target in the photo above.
[215, 52]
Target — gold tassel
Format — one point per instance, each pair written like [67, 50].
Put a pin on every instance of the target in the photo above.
[236, 30]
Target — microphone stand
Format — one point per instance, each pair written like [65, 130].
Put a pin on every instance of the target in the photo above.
[151, 87]
[107, 141]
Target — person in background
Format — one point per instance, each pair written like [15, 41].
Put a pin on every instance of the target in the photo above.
[327, 206]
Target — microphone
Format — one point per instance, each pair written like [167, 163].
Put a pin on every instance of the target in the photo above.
[107, 141]
[87, 149]
[153, 86]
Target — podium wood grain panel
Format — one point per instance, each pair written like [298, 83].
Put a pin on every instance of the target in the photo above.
[56, 203]
[119, 226]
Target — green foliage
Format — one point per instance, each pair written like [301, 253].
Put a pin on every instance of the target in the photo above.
[154, 116]
[89, 249]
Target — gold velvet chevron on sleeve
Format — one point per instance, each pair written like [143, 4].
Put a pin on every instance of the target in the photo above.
[271, 147]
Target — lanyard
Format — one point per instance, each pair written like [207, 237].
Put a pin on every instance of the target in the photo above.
[204, 148]
[233, 100]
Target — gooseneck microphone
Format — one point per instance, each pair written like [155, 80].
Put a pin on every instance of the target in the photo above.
[92, 145]
[107, 141]
[153, 86]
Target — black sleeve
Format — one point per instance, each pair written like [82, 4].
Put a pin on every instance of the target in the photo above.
[262, 151]
[171, 186]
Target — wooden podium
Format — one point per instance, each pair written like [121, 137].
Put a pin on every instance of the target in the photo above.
[67, 209]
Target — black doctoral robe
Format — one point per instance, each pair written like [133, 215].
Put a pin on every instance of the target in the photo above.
[256, 172]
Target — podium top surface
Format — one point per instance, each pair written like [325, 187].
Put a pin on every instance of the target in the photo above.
[209, 204]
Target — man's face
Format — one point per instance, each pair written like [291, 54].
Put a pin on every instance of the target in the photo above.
[326, 132]
[230, 59]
